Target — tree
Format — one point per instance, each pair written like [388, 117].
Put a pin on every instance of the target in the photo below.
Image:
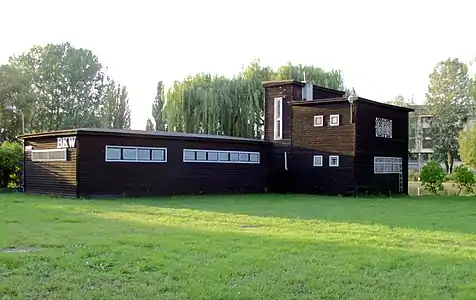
[399, 100]
[206, 103]
[449, 102]
[157, 107]
[69, 84]
[463, 179]
[467, 146]
[149, 125]
[15, 90]
[432, 177]
[11, 156]
[115, 109]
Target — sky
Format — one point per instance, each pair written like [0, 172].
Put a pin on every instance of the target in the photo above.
[383, 48]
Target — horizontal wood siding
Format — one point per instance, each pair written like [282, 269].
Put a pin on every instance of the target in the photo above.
[368, 146]
[326, 141]
[57, 178]
[100, 178]
[286, 91]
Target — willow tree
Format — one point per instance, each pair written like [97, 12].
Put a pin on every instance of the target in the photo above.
[213, 104]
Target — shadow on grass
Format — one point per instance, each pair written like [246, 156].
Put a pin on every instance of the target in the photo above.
[105, 255]
[451, 214]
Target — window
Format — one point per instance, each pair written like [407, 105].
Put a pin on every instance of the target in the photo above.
[333, 161]
[334, 120]
[278, 118]
[220, 156]
[135, 154]
[317, 161]
[48, 155]
[387, 165]
[143, 154]
[318, 121]
[383, 127]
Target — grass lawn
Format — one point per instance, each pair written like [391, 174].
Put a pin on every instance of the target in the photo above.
[238, 247]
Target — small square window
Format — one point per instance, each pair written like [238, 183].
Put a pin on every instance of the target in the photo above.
[254, 157]
[188, 155]
[129, 154]
[244, 157]
[113, 153]
[317, 161]
[234, 157]
[333, 161]
[334, 120]
[212, 156]
[158, 155]
[318, 121]
[143, 154]
[201, 155]
[223, 156]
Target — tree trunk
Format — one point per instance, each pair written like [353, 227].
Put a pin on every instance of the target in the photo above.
[450, 162]
[447, 166]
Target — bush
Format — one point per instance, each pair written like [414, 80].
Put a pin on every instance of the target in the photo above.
[413, 175]
[432, 177]
[11, 162]
[463, 178]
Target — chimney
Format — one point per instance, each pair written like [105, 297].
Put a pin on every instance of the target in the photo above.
[307, 90]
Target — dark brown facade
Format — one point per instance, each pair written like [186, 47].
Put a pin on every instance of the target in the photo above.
[315, 141]
[111, 163]
[334, 146]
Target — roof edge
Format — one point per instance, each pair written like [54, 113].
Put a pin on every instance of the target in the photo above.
[339, 100]
[141, 133]
[271, 83]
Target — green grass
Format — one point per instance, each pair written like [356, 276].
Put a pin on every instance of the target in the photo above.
[238, 247]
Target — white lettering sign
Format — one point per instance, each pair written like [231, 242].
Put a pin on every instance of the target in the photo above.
[66, 142]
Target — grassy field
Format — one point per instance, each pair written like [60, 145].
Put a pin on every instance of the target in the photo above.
[237, 247]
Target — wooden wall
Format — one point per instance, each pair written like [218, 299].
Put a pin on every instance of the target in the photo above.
[308, 141]
[58, 178]
[100, 178]
[368, 146]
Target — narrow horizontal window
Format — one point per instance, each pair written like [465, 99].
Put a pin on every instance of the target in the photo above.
[135, 154]
[49, 155]
[387, 165]
[221, 156]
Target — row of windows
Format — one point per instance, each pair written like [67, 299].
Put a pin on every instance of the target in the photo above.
[334, 120]
[135, 154]
[49, 155]
[387, 165]
[216, 156]
[317, 161]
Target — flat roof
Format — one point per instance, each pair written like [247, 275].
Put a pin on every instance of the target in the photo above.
[342, 100]
[144, 133]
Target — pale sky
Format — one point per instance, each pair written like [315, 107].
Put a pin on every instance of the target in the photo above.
[383, 48]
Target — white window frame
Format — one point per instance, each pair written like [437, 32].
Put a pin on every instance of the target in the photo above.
[318, 121]
[64, 150]
[315, 161]
[379, 130]
[330, 160]
[387, 165]
[278, 118]
[229, 153]
[136, 159]
[334, 116]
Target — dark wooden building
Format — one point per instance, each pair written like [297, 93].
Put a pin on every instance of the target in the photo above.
[326, 144]
[106, 162]
[315, 141]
